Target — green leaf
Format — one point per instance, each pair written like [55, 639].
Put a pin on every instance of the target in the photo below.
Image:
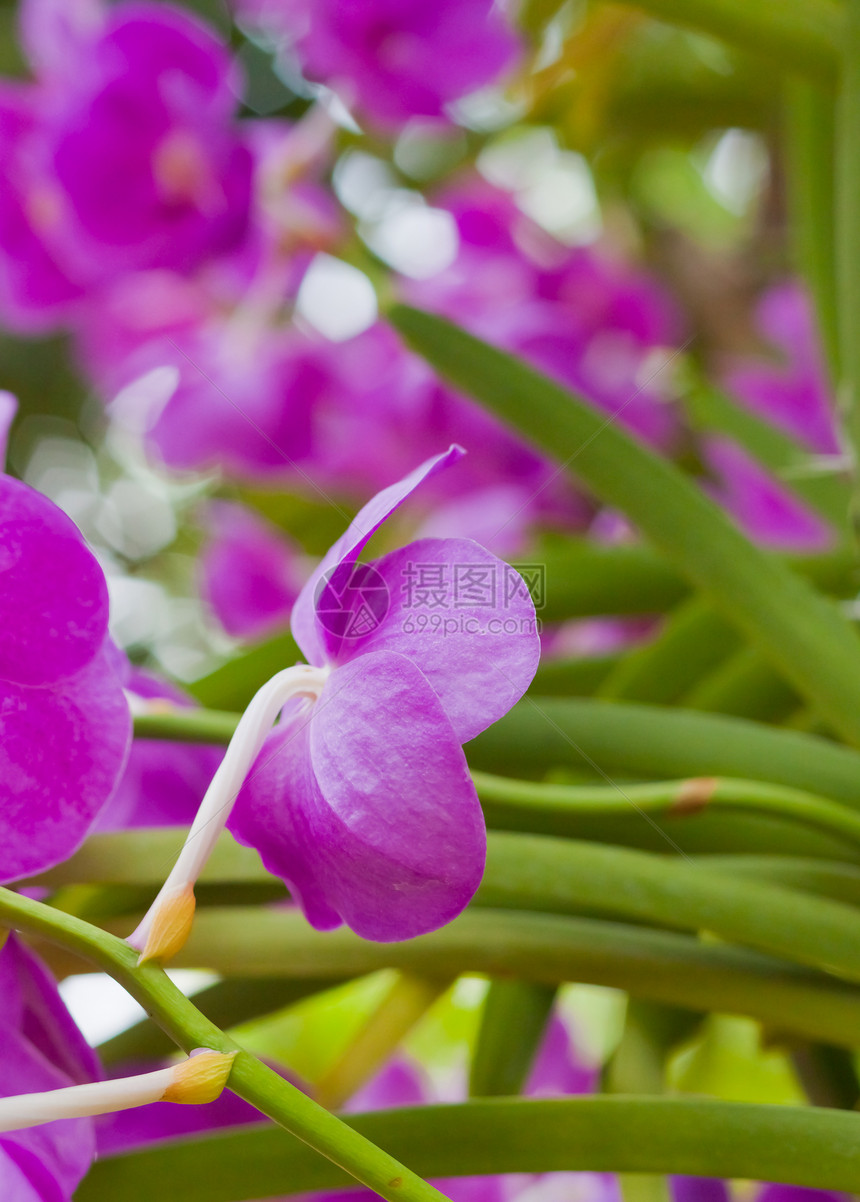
[802, 634]
[232, 686]
[798, 1145]
[662, 965]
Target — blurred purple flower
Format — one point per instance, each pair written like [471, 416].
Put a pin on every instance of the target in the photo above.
[764, 510]
[40, 1049]
[163, 782]
[250, 574]
[64, 722]
[580, 316]
[395, 59]
[122, 155]
[792, 391]
[361, 800]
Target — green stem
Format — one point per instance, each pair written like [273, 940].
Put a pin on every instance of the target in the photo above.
[662, 965]
[190, 1029]
[848, 233]
[668, 799]
[684, 1136]
[802, 634]
[658, 742]
[226, 1003]
[639, 1066]
[513, 1021]
[564, 876]
[841, 882]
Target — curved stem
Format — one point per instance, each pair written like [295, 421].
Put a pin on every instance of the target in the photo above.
[190, 1029]
[669, 799]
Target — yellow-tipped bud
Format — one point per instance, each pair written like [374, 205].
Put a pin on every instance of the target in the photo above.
[200, 1078]
[171, 925]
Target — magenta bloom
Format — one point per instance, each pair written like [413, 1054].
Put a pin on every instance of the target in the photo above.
[122, 155]
[64, 722]
[163, 781]
[361, 800]
[790, 390]
[249, 573]
[40, 1049]
[765, 511]
[395, 58]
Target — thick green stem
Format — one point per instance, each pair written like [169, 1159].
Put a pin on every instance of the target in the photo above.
[659, 964]
[190, 1029]
[684, 1136]
[513, 1021]
[563, 876]
[656, 742]
[667, 799]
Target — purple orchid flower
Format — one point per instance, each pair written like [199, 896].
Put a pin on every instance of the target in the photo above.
[40, 1049]
[163, 782]
[123, 154]
[395, 58]
[361, 798]
[64, 722]
[364, 804]
[765, 511]
[792, 391]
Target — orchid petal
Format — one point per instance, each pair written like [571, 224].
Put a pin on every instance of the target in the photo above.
[364, 805]
[249, 573]
[318, 644]
[474, 636]
[54, 33]
[62, 750]
[53, 596]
